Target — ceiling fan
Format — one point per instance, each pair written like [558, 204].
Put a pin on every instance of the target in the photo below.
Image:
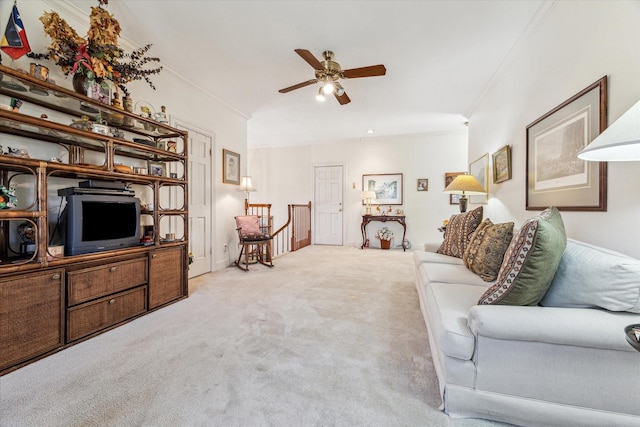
[328, 72]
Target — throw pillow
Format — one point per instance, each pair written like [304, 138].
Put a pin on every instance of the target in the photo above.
[530, 262]
[459, 231]
[248, 224]
[485, 251]
[591, 276]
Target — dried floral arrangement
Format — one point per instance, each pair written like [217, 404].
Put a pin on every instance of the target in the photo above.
[97, 56]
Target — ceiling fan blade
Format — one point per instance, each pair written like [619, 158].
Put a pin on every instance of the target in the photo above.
[343, 99]
[311, 60]
[298, 86]
[371, 71]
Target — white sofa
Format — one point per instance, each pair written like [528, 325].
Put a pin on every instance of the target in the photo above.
[536, 365]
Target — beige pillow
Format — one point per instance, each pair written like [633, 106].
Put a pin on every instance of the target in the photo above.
[459, 231]
[485, 251]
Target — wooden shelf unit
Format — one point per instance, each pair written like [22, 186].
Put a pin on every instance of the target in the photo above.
[49, 302]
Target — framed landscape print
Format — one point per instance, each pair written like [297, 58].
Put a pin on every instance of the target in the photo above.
[454, 199]
[555, 175]
[501, 161]
[230, 167]
[388, 187]
[480, 169]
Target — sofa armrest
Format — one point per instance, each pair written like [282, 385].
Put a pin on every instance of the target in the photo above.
[581, 327]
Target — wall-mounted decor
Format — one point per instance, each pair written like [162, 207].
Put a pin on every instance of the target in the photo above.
[230, 167]
[480, 169]
[423, 184]
[501, 161]
[156, 168]
[555, 175]
[454, 199]
[388, 187]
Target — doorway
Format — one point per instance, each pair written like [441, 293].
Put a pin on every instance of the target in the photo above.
[328, 218]
[200, 195]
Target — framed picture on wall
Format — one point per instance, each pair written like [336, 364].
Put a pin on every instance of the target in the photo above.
[501, 161]
[555, 175]
[423, 184]
[454, 199]
[230, 167]
[388, 187]
[480, 169]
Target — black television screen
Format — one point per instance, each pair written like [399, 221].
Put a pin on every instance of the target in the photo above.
[107, 220]
[95, 223]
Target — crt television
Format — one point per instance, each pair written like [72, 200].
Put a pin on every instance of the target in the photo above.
[95, 223]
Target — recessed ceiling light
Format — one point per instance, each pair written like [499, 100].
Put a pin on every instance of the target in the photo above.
[371, 130]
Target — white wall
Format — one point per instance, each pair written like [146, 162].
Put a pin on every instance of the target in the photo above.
[185, 102]
[285, 175]
[573, 45]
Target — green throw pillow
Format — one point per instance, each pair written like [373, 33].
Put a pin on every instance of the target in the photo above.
[530, 262]
[485, 251]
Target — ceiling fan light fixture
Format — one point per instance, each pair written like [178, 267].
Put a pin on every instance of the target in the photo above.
[339, 89]
[320, 96]
[328, 87]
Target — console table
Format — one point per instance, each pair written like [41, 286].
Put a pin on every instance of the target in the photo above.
[366, 219]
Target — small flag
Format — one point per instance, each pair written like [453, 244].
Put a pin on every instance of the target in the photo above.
[14, 41]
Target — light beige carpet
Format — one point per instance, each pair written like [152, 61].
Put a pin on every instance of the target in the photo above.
[332, 336]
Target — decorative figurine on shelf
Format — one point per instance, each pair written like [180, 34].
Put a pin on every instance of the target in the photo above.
[8, 197]
[161, 117]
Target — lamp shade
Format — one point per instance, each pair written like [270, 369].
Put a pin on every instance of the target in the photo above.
[246, 185]
[368, 195]
[465, 184]
[618, 142]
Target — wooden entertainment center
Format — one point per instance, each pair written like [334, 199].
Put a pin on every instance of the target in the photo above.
[49, 301]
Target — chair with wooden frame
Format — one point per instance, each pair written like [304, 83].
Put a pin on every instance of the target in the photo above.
[255, 243]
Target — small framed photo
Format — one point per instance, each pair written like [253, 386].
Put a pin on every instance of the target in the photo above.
[454, 199]
[230, 167]
[161, 145]
[157, 168]
[423, 184]
[100, 93]
[172, 146]
[501, 160]
[173, 175]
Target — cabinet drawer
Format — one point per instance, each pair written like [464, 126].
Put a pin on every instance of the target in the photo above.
[91, 283]
[91, 317]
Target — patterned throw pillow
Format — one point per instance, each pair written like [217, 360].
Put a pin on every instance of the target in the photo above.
[248, 224]
[530, 262]
[459, 231]
[485, 251]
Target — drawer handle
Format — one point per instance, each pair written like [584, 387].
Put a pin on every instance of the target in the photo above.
[112, 269]
[112, 301]
[55, 276]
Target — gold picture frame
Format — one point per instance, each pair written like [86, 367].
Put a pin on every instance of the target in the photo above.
[230, 167]
[454, 199]
[480, 169]
[501, 161]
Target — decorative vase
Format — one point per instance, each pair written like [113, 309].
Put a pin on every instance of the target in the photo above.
[79, 82]
[385, 244]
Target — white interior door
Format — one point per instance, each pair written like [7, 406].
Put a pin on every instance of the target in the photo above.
[200, 206]
[328, 205]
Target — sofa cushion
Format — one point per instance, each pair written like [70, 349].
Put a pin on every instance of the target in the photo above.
[450, 273]
[590, 276]
[447, 306]
[530, 261]
[459, 231]
[420, 257]
[485, 251]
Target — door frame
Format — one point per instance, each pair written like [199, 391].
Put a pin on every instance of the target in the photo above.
[212, 212]
[344, 205]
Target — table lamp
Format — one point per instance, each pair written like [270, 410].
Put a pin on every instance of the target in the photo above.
[368, 196]
[246, 186]
[465, 185]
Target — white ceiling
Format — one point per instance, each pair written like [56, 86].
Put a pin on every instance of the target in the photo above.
[439, 55]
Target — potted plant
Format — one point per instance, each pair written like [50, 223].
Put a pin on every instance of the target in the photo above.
[385, 235]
